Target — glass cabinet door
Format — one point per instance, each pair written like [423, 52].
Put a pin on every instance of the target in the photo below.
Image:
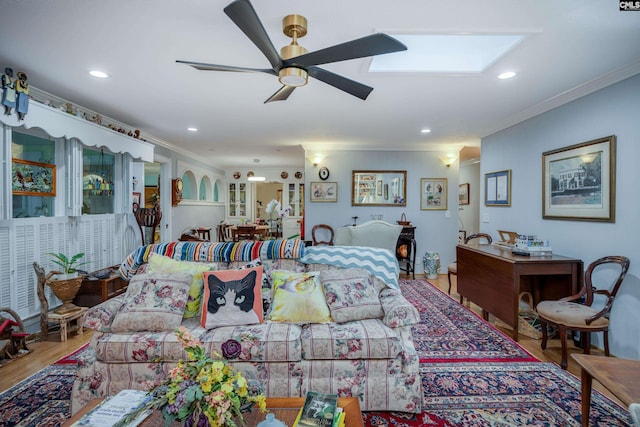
[296, 198]
[237, 199]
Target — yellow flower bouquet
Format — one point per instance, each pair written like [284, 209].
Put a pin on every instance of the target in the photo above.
[205, 391]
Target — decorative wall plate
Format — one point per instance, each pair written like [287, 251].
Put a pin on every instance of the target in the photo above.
[284, 175]
[323, 173]
[236, 175]
[298, 175]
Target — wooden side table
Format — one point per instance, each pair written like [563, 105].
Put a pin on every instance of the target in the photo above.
[620, 376]
[95, 290]
[64, 320]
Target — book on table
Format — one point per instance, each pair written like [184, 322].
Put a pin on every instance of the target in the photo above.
[319, 409]
[127, 408]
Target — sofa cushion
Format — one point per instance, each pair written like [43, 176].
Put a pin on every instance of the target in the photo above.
[351, 295]
[398, 311]
[163, 264]
[298, 298]
[362, 339]
[267, 342]
[153, 302]
[232, 297]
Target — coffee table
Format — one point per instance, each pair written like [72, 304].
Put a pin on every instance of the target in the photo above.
[284, 408]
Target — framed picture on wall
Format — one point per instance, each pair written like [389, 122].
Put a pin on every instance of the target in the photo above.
[579, 181]
[324, 191]
[463, 194]
[433, 194]
[136, 198]
[32, 178]
[497, 188]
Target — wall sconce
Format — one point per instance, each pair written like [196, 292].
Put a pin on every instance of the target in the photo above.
[315, 158]
[448, 159]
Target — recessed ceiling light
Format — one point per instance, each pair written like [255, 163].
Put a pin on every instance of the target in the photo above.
[426, 130]
[192, 129]
[507, 75]
[99, 74]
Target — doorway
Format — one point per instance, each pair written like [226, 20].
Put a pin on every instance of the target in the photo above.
[264, 193]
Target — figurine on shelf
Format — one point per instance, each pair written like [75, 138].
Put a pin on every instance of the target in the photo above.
[22, 95]
[8, 91]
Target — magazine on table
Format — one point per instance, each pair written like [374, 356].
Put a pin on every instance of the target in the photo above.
[318, 410]
[126, 408]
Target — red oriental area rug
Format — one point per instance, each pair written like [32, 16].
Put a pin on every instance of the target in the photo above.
[472, 375]
[448, 331]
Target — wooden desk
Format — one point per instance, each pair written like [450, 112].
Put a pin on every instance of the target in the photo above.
[492, 277]
[284, 408]
[620, 376]
[259, 231]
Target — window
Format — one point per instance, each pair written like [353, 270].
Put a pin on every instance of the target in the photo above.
[97, 182]
[35, 147]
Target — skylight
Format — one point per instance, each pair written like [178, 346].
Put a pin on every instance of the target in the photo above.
[446, 53]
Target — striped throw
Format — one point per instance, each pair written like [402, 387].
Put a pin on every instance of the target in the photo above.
[379, 262]
[214, 252]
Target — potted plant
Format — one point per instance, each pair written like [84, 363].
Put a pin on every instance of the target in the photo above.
[66, 283]
[69, 265]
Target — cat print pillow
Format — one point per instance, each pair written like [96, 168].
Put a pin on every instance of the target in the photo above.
[232, 297]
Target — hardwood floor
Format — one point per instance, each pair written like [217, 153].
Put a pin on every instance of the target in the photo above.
[47, 352]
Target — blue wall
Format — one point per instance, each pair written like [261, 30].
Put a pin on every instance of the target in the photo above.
[614, 110]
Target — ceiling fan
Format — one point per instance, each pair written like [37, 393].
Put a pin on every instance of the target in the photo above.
[293, 65]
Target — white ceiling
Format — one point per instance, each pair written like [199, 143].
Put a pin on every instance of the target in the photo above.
[572, 48]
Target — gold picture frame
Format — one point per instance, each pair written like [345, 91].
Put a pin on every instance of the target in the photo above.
[32, 178]
[433, 194]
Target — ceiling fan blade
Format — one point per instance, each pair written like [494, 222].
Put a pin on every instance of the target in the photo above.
[245, 17]
[350, 86]
[282, 94]
[374, 44]
[215, 67]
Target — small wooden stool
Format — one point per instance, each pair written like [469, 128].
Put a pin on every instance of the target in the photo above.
[64, 319]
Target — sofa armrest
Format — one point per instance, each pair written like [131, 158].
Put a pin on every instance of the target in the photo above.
[101, 316]
[397, 310]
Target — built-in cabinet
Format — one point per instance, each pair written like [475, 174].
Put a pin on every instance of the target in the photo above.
[237, 197]
[296, 198]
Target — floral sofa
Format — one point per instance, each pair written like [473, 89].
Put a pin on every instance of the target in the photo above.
[364, 349]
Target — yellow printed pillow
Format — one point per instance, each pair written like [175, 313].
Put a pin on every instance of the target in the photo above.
[298, 297]
[162, 264]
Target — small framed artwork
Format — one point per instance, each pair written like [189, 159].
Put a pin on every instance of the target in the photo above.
[463, 194]
[136, 198]
[32, 178]
[324, 191]
[579, 181]
[497, 188]
[433, 194]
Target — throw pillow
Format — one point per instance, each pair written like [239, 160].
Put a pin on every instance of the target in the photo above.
[163, 264]
[351, 295]
[298, 298]
[153, 302]
[232, 297]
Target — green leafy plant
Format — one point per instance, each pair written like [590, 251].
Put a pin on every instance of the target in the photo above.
[69, 265]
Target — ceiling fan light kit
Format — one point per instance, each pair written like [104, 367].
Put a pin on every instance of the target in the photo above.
[294, 64]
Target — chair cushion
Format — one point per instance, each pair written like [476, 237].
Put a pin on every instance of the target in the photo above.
[163, 264]
[232, 297]
[362, 339]
[153, 302]
[351, 295]
[453, 268]
[570, 314]
[298, 298]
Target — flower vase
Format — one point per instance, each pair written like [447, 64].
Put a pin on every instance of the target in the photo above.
[431, 262]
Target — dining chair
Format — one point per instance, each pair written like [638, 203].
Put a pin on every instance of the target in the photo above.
[244, 232]
[453, 267]
[326, 231]
[575, 312]
[148, 218]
